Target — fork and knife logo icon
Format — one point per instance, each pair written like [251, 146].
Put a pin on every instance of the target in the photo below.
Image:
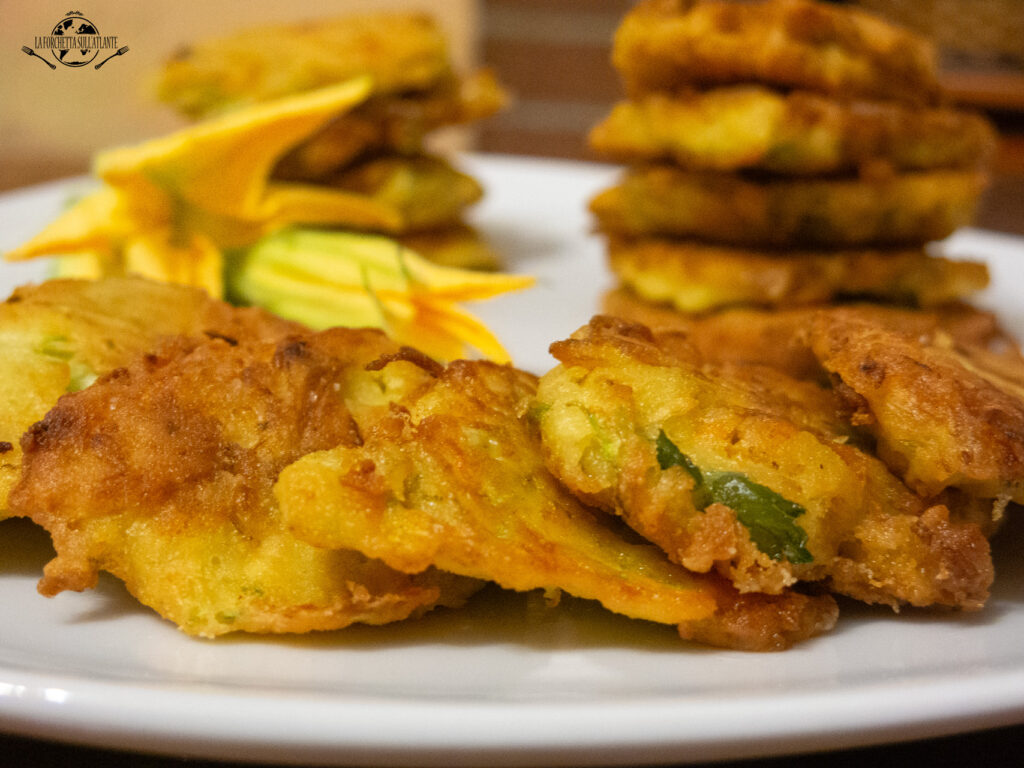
[75, 42]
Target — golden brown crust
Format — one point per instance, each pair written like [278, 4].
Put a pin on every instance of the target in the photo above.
[799, 133]
[738, 335]
[408, 194]
[60, 335]
[694, 276]
[393, 124]
[927, 559]
[621, 391]
[454, 477]
[459, 246]
[161, 473]
[909, 208]
[663, 44]
[759, 622]
[943, 415]
[777, 337]
[402, 51]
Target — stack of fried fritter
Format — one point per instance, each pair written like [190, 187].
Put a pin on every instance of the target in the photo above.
[816, 405]
[378, 153]
[784, 153]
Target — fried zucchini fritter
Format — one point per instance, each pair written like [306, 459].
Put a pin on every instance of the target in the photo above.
[403, 52]
[910, 208]
[392, 124]
[161, 473]
[778, 337]
[400, 195]
[745, 471]
[60, 335]
[453, 477]
[752, 127]
[944, 414]
[771, 337]
[694, 276]
[664, 44]
[459, 246]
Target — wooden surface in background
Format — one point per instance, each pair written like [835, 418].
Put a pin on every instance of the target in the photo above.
[555, 57]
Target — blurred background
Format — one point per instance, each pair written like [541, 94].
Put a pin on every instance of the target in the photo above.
[552, 54]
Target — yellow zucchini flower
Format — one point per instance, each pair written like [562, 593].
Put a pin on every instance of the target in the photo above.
[172, 208]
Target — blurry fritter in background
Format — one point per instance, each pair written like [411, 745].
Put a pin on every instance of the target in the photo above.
[380, 150]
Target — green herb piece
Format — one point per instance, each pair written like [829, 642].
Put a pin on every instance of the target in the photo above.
[669, 455]
[769, 518]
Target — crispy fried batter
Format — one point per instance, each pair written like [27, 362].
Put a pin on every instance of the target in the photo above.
[758, 622]
[777, 337]
[907, 208]
[745, 471]
[401, 51]
[60, 335]
[943, 414]
[735, 335]
[663, 44]
[459, 246]
[753, 127]
[393, 124]
[694, 276]
[453, 477]
[400, 195]
[161, 473]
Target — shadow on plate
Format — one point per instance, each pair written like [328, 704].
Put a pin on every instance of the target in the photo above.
[496, 617]
[517, 246]
[500, 617]
[24, 548]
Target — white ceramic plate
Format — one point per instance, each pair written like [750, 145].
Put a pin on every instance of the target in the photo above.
[504, 681]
